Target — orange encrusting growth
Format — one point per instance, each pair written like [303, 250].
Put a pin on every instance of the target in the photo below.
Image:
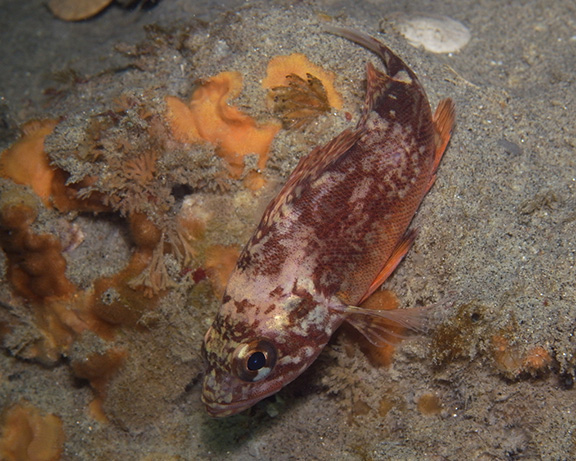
[117, 302]
[36, 269]
[536, 360]
[28, 435]
[119, 299]
[207, 117]
[280, 67]
[220, 262]
[25, 162]
[510, 359]
[99, 369]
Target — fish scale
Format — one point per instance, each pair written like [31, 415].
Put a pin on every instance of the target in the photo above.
[328, 240]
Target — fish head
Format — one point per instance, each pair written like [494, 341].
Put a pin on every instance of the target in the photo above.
[249, 358]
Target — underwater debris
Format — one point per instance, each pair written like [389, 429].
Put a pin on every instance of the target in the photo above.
[300, 102]
[208, 117]
[77, 10]
[436, 33]
[429, 404]
[460, 337]
[470, 333]
[27, 434]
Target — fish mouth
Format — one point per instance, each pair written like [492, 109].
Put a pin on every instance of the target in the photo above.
[221, 404]
[221, 410]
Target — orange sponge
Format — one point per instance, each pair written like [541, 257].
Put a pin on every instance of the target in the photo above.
[25, 162]
[36, 266]
[207, 117]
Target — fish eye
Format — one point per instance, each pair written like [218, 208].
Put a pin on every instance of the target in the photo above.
[254, 361]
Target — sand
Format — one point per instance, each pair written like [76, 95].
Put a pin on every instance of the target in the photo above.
[492, 380]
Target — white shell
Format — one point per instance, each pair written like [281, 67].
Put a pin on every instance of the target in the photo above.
[439, 34]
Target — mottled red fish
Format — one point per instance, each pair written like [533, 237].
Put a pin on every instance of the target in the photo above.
[335, 232]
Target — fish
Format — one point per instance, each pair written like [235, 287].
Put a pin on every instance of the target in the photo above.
[332, 235]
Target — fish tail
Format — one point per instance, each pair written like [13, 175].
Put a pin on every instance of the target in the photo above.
[394, 65]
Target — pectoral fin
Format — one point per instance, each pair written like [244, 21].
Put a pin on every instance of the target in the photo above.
[378, 325]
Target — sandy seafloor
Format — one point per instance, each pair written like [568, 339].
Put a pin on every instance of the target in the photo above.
[497, 235]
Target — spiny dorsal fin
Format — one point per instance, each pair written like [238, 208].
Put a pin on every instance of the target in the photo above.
[312, 166]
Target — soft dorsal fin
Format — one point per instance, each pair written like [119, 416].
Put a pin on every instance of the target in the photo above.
[443, 120]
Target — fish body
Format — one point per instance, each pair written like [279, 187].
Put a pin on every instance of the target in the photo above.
[328, 240]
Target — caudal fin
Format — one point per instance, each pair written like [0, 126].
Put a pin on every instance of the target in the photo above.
[394, 65]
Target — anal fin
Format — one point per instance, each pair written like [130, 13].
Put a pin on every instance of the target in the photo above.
[397, 255]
